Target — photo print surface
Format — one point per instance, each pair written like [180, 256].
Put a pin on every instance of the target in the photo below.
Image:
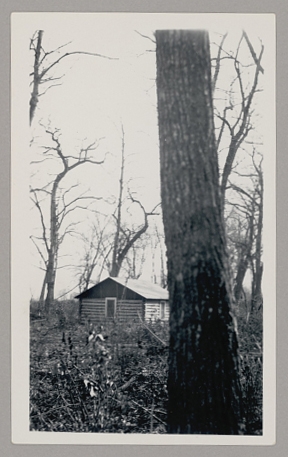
[143, 228]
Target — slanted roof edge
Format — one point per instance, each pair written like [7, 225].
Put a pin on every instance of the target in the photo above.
[143, 288]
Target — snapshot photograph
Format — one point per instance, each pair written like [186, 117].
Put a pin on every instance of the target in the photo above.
[143, 228]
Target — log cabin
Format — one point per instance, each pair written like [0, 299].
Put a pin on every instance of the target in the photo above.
[122, 299]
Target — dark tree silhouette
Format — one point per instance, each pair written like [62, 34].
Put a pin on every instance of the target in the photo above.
[51, 237]
[203, 383]
[125, 238]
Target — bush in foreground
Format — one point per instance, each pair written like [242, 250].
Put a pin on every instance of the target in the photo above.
[85, 378]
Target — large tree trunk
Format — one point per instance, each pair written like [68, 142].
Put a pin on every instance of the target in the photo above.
[203, 382]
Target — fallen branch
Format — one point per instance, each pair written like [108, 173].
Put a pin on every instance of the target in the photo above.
[257, 344]
[128, 383]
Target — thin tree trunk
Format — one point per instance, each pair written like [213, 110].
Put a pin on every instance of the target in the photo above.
[57, 216]
[36, 77]
[241, 272]
[243, 261]
[115, 268]
[257, 298]
[42, 294]
[163, 277]
[54, 244]
[203, 382]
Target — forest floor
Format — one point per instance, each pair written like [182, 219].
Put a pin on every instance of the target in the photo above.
[116, 382]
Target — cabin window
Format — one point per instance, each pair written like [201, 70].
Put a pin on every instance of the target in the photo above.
[162, 309]
[110, 307]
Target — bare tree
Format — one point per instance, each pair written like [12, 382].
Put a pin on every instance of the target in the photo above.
[60, 206]
[239, 229]
[237, 113]
[128, 238]
[135, 259]
[236, 117]
[117, 242]
[203, 382]
[157, 243]
[44, 62]
[96, 249]
[248, 206]
[257, 265]
[125, 237]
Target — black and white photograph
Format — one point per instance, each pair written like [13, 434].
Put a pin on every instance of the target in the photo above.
[143, 228]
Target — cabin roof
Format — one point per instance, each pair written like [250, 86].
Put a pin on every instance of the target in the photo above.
[146, 289]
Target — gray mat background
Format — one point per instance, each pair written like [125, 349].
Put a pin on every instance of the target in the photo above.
[280, 8]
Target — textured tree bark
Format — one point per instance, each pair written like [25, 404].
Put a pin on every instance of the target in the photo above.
[203, 382]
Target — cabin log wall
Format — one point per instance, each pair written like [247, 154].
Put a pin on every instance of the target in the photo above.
[153, 311]
[94, 310]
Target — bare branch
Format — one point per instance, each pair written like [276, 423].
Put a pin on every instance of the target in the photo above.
[38, 74]
[65, 293]
[67, 54]
[243, 121]
[242, 191]
[218, 59]
[50, 87]
[59, 208]
[145, 36]
[32, 238]
[256, 60]
[37, 204]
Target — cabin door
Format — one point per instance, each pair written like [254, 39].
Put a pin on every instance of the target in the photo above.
[110, 307]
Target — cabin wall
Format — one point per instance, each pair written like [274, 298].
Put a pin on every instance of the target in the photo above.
[130, 310]
[94, 309]
[153, 310]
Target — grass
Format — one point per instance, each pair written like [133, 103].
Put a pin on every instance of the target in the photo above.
[79, 383]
